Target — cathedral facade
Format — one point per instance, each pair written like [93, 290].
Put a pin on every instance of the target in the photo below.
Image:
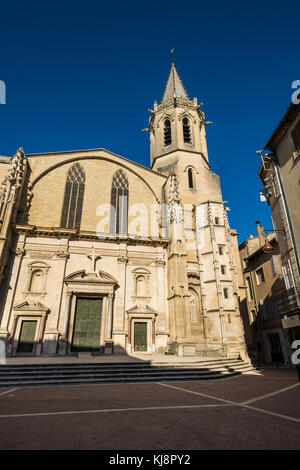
[101, 255]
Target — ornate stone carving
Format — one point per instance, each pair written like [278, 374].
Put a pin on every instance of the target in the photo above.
[20, 251]
[174, 207]
[175, 213]
[12, 183]
[3, 192]
[140, 261]
[28, 201]
[40, 254]
[61, 255]
[159, 262]
[165, 116]
[82, 277]
[173, 190]
[16, 169]
[34, 306]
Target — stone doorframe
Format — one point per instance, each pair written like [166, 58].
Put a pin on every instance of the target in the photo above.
[146, 314]
[28, 311]
[82, 284]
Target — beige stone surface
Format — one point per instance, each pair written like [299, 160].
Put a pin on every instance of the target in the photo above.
[173, 279]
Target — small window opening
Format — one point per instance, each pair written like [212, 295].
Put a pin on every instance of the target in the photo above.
[191, 178]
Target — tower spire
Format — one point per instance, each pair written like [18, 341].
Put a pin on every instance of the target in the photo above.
[174, 87]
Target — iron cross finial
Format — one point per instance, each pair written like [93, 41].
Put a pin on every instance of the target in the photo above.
[172, 55]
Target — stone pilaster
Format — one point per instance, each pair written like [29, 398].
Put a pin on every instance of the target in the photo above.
[63, 342]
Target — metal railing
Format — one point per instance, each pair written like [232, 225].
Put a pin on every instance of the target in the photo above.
[286, 301]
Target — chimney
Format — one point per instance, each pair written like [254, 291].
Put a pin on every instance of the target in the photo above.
[260, 233]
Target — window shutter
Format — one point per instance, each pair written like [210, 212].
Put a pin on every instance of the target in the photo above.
[263, 309]
[287, 277]
[272, 308]
[275, 265]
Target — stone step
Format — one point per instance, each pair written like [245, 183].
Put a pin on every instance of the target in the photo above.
[82, 372]
[118, 374]
[107, 368]
[122, 379]
[111, 366]
[145, 370]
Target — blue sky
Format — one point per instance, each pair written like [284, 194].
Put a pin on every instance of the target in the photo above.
[83, 75]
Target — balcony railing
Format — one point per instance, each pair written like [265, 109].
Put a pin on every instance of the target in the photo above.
[286, 301]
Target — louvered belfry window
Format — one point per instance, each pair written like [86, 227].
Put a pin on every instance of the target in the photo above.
[119, 203]
[186, 131]
[73, 198]
[167, 132]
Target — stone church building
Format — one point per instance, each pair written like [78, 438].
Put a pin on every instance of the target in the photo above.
[102, 255]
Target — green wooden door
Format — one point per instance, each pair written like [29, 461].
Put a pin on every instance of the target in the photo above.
[140, 336]
[87, 324]
[26, 338]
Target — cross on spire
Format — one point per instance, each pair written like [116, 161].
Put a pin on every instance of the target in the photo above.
[172, 55]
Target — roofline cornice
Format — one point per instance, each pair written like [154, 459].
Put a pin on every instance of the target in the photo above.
[289, 117]
[70, 152]
[181, 150]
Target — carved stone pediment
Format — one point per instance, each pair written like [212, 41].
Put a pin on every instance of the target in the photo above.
[141, 309]
[31, 307]
[82, 277]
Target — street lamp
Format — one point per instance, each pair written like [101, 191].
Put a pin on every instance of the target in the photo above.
[267, 248]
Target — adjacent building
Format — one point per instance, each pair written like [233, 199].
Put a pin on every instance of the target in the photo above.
[280, 175]
[266, 339]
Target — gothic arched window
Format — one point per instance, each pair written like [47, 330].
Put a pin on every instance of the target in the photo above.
[186, 130]
[119, 203]
[194, 306]
[73, 198]
[167, 132]
[191, 178]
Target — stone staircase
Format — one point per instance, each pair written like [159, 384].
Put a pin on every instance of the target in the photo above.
[28, 375]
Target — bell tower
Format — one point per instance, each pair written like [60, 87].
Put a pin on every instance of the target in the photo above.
[203, 276]
[177, 124]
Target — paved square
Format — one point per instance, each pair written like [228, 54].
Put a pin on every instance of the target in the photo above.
[252, 411]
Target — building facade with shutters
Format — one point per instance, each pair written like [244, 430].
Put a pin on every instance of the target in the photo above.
[280, 175]
[266, 339]
[99, 254]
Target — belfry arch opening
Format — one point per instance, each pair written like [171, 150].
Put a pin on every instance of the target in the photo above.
[186, 131]
[167, 132]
